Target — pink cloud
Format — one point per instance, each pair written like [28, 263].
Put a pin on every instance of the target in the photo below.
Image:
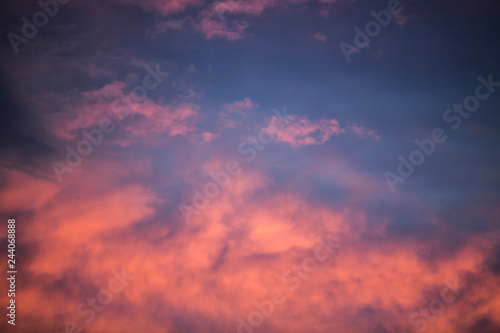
[209, 137]
[234, 113]
[252, 7]
[26, 192]
[401, 19]
[334, 1]
[222, 19]
[233, 253]
[241, 107]
[144, 119]
[362, 132]
[169, 24]
[228, 19]
[164, 7]
[212, 27]
[88, 110]
[320, 37]
[227, 121]
[302, 131]
[325, 12]
[150, 119]
[227, 258]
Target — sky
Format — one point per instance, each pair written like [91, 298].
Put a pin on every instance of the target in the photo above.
[250, 166]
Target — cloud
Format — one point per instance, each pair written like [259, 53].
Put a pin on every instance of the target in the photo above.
[119, 207]
[150, 120]
[229, 19]
[180, 25]
[141, 120]
[89, 109]
[209, 137]
[401, 20]
[163, 7]
[319, 37]
[242, 244]
[303, 132]
[362, 132]
[214, 28]
[241, 107]
[250, 8]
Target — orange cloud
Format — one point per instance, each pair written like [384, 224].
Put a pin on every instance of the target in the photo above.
[234, 253]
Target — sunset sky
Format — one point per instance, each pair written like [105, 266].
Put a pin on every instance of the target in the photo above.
[289, 166]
